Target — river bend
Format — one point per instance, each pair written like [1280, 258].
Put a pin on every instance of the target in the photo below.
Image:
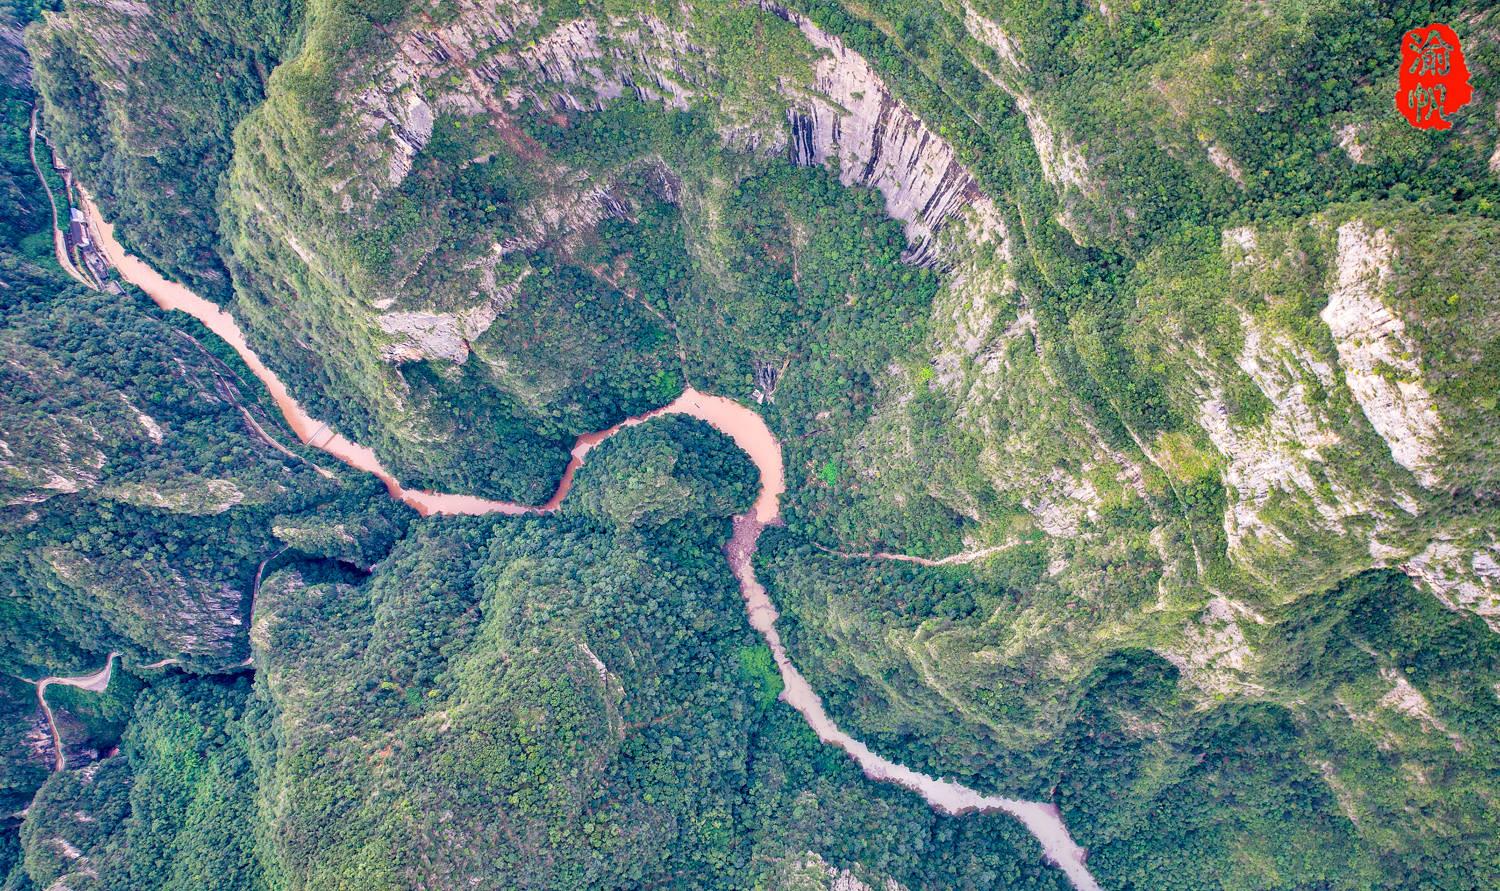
[749, 432]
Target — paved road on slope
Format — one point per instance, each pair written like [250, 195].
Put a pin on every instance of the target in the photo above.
[59, 244]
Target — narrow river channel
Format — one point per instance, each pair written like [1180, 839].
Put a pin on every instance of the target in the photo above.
[749, 432]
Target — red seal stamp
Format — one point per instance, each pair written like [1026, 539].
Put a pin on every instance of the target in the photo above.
[1434, 81]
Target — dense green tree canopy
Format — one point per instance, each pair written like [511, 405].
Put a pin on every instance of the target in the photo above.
[1134, 367]
[663, 470]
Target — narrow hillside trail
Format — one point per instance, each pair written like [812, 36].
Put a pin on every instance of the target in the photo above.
[749, 431]
[260, 571]
[230, 393]
[94, 683]
[59, 243]
[963, 558]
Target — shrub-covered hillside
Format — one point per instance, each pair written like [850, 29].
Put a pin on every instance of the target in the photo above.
[1133, 367]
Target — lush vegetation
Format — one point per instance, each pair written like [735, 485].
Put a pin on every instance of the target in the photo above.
[662, 471]
[157, 153]
[1164, 792]
[90, 723]
[169, 811]
[464, 235]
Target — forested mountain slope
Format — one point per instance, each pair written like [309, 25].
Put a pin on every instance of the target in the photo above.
[1151, 330]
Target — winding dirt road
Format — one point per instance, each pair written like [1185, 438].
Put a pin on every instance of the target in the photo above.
[94, 683]
[750, 433]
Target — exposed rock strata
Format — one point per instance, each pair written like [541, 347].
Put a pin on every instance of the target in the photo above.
[1286, 452]
[1214, 654]
[416, 335]
[876, 141]
[1462, 577]
[1378, 358]
[1349, 139]
[1063, 163]
[185, 615]
[845, 116]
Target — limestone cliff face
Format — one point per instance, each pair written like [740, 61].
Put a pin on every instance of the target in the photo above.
[42, 453]
[1277, 454]
[1063, 162]
[853, 120]
[1310, 437]
[480, 63]
[1464, 574]
[1378, 359]
[1036, 442]
[424, 334]
[15, 65]
[1289, 476]
[188, 494]
[842, 115]
[131, 468]
[483, 68]
[45, 452]
[1298, 472]
[119, 39]
[116, 37]
[1328, 436]
[1289, 473]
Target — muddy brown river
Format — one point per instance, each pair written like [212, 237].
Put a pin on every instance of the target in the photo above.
[749, 432]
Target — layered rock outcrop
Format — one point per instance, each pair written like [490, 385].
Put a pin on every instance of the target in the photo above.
[1063, 163]
[488, 60]
[158, 607]
[1379, 360]
[855, 122]
[1463, 574]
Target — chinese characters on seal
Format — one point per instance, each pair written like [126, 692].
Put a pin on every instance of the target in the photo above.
[1433, 81]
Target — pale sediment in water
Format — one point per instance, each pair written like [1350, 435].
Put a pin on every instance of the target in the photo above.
[1044, 821]
[749, 431]
[738, 422]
